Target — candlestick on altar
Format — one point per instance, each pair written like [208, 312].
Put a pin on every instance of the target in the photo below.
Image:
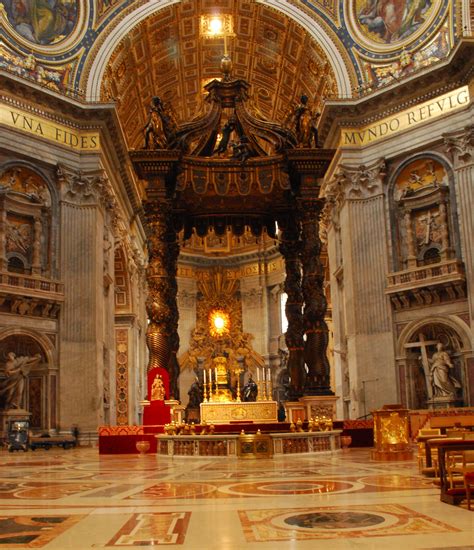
[209, 390]
[258, 374]
[237, 372]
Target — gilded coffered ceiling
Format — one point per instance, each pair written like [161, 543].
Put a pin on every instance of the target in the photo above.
[167, 55]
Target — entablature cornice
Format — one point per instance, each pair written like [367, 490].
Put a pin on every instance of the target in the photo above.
[80, 127]
[452, 72]
[427, 285]
[27, 295]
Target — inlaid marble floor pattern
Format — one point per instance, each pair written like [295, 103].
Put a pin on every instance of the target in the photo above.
[75, 499]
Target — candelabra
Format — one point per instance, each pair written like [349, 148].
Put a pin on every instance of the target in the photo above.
[237, 372]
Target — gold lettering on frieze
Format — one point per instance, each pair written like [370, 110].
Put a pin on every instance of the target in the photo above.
[406, 119]
[48, 129]
[276, 265]
[249, 270]
[186, 272]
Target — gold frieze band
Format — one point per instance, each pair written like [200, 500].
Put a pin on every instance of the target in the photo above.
[406, 119]
[52, 131]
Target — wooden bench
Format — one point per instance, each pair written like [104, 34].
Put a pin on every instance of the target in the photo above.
[44, 442]
[448, 494]
[463, 421]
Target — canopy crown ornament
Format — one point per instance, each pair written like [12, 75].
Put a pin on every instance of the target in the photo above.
[227, 130]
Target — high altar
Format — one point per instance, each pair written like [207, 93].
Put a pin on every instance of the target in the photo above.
[219, 405]
[261, 177]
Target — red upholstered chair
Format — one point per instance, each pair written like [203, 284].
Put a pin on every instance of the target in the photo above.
[469, 484]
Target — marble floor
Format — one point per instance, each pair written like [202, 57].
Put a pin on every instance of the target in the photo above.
[76, 499]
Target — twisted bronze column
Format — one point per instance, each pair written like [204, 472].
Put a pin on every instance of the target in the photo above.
[315, 304]
[162, 308]
[290, 247]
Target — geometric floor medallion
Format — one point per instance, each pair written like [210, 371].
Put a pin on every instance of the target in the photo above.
[334, 522]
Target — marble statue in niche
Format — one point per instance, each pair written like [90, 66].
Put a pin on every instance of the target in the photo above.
[443, 383]
[16, 372]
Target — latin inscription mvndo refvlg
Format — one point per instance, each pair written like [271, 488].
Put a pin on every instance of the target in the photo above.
[406, 119]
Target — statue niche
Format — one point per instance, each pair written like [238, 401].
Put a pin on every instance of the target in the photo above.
[434, 367]
[24, 374]
[16, 372]
[422, 202]
[25, 235]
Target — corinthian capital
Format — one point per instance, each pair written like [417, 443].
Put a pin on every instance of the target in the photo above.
[350, 182]
[460, 145]
[85, 188]
[361, 182]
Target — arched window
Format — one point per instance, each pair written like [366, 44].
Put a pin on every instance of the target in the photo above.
[16, 265]
[431, 256]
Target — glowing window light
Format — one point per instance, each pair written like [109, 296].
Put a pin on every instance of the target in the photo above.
[215, 26]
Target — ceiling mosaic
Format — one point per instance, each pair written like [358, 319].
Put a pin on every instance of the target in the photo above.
[392, 22]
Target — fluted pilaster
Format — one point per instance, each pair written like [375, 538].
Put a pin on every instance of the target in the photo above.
[460, 146]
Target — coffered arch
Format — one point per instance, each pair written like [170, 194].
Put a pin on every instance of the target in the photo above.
[317, 30]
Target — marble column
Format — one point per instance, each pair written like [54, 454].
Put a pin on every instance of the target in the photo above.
[460, 145]
[82, 332]
[357, 193]
[36, 263]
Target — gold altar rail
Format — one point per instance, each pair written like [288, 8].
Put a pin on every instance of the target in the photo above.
[233, 411]
[15, 283]
[248, 445]
[443, 272]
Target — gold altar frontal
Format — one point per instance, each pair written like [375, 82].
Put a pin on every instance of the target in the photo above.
[233, 411]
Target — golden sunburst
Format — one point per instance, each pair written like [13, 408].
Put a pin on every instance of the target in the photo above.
[219, 322]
